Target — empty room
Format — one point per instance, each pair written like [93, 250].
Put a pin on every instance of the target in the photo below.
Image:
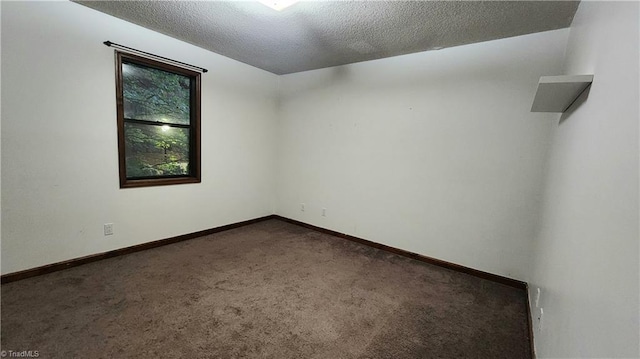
[320, 179]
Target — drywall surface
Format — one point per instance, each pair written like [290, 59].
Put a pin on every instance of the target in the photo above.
[0, 143]
[586, 255]
[435, 153]
[59, 139]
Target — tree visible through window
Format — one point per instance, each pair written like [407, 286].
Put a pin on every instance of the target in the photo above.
[158, 122]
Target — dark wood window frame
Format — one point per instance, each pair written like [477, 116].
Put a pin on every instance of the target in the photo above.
[194, 175]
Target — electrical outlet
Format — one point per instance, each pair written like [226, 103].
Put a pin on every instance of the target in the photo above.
[324, 212]
[301, 207]
[108, 229]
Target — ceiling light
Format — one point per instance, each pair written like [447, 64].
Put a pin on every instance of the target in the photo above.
[278, 5]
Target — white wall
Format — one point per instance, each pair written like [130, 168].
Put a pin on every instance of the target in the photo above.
[0, 141]
[59, 139]
[435, 152]
[586, 255]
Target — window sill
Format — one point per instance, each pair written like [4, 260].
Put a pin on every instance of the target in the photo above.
[132, 183]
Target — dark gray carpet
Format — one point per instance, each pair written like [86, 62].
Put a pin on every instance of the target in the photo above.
[268, 290]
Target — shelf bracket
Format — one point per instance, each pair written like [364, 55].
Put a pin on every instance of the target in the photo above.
[557, 93]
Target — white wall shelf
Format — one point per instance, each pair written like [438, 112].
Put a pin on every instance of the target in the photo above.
[557, 93]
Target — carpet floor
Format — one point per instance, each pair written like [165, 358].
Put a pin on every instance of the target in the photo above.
[267, 290]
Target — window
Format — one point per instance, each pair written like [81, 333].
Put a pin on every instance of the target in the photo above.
[158, 108]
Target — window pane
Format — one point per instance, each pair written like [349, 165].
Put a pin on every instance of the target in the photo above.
[156, 150]
[155, 95]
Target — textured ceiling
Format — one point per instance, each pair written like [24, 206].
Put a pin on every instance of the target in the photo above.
[317, 34]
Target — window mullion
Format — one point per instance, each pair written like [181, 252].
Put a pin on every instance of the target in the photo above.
[156, 123]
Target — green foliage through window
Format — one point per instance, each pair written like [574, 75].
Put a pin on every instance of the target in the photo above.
[155, 95]
[156, 150]
[158, 120]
